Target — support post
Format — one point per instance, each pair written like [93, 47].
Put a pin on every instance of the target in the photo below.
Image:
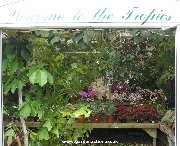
[152, 133]
[1, 95]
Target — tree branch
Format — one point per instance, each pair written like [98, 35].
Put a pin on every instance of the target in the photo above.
[23, 124]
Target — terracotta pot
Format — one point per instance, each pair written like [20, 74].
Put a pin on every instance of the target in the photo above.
[81, 119]
[96, 119]
[110, 119]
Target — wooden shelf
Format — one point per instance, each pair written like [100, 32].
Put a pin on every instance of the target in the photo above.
[120, 125]
[99, 125]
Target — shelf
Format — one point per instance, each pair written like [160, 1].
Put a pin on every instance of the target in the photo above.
[120, 125]
[99, 125]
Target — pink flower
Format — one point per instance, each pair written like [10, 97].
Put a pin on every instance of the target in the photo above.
[83, 94]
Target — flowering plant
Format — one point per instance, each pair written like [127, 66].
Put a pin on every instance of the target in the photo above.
[89, 95]
[134, 94]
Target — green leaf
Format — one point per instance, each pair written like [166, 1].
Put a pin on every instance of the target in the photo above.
[145, 34]
[13, 86]
[42, 33]
[20, 84]
[86, 38]
[32, 134]
[69, 77]
[10, 51]
[78, 37]
[48, 125]
[7, 89]
[74, 65]
[59, 58]
[50, 78]
[22, 105]
[82, 111]
[43, 134]
[40, 114]
[25, 111]
[41, 41]
[66, 113]
[10, 134]
[33, 111]
[32, 77]
[41, 77]
[25, 53]
[55, 131]
[55, 40]
[13, 66]
[5, 64]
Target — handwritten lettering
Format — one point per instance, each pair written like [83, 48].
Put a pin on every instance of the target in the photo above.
[78, 15]
[102, 15]
[132, 14]
[36, 17]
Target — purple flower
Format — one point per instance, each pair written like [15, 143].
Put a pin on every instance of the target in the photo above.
[83, 94]
[92, 94]
[88, 94]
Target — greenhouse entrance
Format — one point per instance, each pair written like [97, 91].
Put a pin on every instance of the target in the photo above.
[77, 71]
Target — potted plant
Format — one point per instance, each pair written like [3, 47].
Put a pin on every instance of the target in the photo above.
[144, 112]
[122, 113]
[82, 111]
[109, 111]
[96, 108]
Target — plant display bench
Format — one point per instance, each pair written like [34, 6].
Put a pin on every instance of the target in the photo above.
[150, 128]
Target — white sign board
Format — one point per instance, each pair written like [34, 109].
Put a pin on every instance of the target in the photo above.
[89, 13]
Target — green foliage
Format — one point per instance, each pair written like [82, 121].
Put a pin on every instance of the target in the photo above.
[10, 134]
[83, 110]
[51, 67]
[25, 110]
[43, 134]
[41, 77]
[109, 108]
[96, 107]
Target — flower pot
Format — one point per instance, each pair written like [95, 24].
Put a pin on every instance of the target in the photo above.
[96, 119]
[110, 119]
[81, 119]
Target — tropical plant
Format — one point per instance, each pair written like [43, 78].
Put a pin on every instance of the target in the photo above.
[109, 108]
[123, 112]
[83, 109]
[96, 107]
[144, 112]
